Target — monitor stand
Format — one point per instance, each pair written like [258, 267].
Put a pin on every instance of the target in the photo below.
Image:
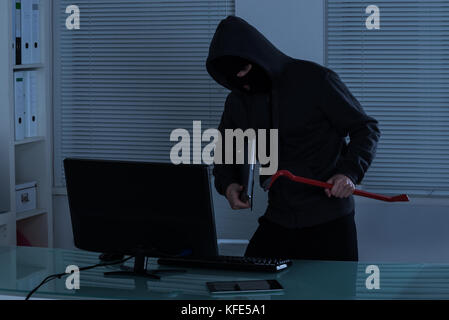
[139, 270]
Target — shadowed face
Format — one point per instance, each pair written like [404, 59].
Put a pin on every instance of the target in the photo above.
[243, 74]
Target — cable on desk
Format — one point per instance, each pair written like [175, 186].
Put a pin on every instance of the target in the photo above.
[60, 275]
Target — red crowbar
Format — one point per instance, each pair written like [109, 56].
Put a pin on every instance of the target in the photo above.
[316, 183]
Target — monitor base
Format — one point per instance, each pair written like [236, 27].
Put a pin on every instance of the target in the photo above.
[139, 270]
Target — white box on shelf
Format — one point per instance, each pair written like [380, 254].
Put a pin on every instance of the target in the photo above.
[26, 197]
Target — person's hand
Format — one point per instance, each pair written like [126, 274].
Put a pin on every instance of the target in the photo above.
[343, 186]
[232, 194]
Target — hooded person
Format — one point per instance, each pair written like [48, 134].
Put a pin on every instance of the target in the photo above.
[314, 112]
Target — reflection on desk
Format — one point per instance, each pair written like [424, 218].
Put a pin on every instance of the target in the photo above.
[21, 269]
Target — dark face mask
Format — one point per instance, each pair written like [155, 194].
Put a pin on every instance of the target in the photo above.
[257, 78]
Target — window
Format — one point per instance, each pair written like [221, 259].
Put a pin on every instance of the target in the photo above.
[400, 74]
[133, 72]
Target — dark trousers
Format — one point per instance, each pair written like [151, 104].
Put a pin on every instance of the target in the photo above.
[335, 240]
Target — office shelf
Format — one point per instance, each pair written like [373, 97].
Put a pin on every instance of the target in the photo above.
[29, 159]
[29, 140]
[7, 228]
[29, 214]
[28, 66]
[4, 217]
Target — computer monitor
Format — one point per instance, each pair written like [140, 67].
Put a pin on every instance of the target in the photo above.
[141, 208]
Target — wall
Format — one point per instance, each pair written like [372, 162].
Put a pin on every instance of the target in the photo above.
[413, 232]
[403, 232]
[296, 27]
[63, 236]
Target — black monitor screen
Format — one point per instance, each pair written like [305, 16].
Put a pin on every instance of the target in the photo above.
[160, 208]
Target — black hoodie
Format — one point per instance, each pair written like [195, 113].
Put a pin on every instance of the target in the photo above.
[314, 112]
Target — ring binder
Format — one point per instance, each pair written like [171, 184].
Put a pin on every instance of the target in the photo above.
[31, 104]
[26, 6]
[35, 32]
[17, 27]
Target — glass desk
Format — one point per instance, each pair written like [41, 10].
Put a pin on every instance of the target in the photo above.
[21, 269]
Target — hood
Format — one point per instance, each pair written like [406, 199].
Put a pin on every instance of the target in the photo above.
[237, 38]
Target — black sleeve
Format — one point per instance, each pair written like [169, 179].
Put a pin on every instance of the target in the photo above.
[225, 174]
[348, 117]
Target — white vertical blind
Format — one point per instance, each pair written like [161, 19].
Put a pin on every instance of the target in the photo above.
[133, 72]
[400, 74]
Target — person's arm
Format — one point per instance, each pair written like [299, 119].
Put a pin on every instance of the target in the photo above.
[348, 117]
[227, 175]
